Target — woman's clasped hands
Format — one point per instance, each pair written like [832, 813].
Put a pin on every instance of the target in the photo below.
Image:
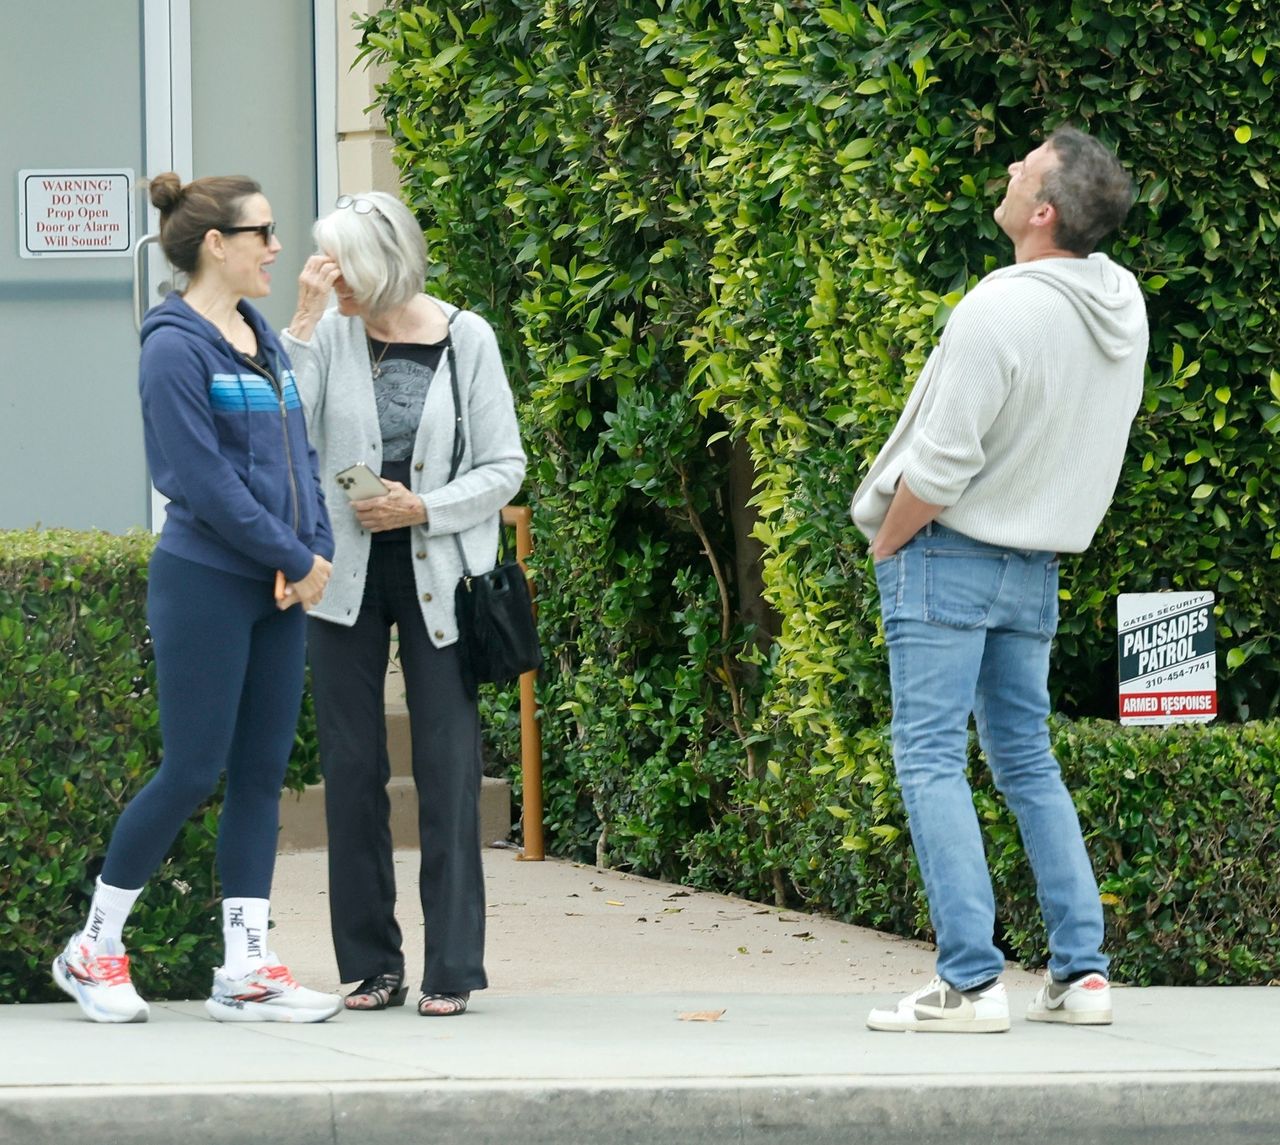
[307, 591]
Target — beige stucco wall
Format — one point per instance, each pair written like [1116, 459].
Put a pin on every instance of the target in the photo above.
[364, 150]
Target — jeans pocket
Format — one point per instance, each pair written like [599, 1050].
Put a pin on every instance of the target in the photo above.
[889, 585]
[962, 585]
[1049, 609]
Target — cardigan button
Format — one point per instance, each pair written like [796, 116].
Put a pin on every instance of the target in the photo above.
[422, 554]
[439, 634]
[418, 468]
[427, 597]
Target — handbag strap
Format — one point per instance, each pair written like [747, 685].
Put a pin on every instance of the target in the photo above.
[460, 447]
[459, 442]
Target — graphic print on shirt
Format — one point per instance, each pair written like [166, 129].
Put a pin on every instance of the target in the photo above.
[399, 393]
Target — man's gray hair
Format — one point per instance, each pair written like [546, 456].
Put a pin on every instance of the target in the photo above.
[381, 252]
[1089, 189]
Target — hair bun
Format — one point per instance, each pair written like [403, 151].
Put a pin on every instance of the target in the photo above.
[166, 191]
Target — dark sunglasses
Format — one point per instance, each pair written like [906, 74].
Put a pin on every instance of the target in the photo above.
[263, 230]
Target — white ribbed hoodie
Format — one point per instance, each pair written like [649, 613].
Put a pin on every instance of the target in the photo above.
[1019, 421]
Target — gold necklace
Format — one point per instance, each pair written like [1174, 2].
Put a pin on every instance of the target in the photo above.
[375, 364]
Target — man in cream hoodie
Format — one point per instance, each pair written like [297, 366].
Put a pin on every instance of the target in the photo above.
[1006, 454]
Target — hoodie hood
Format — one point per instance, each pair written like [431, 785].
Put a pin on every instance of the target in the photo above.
[1105, 295]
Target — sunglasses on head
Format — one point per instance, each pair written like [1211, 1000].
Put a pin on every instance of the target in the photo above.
[359, 204]
[263, 230]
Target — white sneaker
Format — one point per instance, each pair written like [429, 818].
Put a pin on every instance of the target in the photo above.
[98, 978]
[268, 993]
[1085, 1002]
[939, 1008]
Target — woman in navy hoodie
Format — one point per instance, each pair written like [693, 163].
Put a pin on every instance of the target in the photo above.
[246, 537]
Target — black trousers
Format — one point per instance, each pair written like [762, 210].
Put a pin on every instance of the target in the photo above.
[348, 673]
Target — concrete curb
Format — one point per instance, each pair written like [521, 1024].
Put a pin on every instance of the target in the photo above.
[1237, 1108]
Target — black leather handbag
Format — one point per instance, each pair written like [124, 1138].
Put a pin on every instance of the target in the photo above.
[497, 634]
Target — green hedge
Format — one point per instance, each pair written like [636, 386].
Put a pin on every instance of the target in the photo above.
[717, 240]
[1183, 825]
[79, 735]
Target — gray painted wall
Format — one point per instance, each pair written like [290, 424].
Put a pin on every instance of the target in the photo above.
[70, 431]
[70, 434]
[253, 113]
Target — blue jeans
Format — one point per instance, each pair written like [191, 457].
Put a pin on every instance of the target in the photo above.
[969, 626]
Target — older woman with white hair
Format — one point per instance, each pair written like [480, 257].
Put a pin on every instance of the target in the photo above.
[374, 375]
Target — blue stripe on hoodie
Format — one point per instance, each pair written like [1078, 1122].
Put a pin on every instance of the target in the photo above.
[230, 391]
[242, 480]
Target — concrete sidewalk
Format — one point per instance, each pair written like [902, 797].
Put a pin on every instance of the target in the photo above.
[587, 1035]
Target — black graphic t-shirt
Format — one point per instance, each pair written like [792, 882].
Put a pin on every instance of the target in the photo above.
[403, 376]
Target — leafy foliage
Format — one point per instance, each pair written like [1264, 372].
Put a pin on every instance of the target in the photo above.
[1183, 829]
[718, 239]
[79, 735]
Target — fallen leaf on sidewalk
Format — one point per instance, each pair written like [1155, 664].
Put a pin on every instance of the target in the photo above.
[701, 1016]
[805, 935]
[678, 895]
[612, 902]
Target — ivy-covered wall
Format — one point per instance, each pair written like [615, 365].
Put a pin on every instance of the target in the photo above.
[718, 240]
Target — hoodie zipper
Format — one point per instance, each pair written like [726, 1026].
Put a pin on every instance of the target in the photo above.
[284, 433]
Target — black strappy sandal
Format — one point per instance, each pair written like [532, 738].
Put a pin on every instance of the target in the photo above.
[447, 1005]
[378, 992]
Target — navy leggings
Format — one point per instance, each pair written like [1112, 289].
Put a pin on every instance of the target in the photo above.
[229, 671]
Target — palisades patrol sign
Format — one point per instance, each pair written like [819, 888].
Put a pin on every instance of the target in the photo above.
[1168, 662]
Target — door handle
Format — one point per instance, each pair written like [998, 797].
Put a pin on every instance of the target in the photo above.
[139, 294]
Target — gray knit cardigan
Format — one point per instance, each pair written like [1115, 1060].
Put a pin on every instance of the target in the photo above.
[336, 384]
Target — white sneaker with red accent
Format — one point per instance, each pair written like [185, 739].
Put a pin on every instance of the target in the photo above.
[268, 993]
[98, 978]
[1085, 1002]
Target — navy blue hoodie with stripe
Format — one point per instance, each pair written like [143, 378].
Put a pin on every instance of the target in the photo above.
[227, 444]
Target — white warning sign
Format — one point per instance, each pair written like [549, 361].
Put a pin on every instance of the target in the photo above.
[75, 213]
[1168, 658]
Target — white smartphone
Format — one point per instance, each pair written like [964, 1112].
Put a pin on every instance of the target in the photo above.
[360, 483]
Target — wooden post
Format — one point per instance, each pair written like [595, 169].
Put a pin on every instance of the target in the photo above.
[530, 733]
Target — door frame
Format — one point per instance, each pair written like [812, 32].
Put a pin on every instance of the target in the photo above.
[167, 131]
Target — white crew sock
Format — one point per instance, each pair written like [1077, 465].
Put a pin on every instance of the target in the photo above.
[107, 913]
[244, 930]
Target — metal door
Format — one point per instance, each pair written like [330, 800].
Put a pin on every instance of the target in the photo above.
[202, 87]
